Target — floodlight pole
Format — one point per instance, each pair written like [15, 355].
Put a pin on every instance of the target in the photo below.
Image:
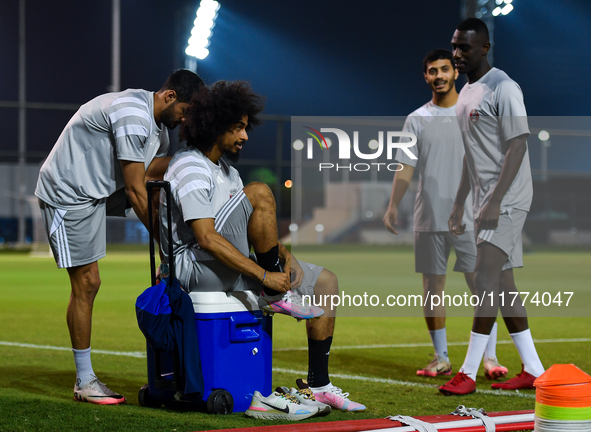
[116, 47]
[22, 125]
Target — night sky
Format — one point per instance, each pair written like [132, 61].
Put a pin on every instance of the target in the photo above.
[306, 57]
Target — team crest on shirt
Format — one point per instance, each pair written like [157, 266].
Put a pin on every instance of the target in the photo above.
[474, 115]
[233, 192]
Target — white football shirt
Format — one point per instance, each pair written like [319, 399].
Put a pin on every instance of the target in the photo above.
[490, 113]
[199, 189]
[83, 165]
[440, 155]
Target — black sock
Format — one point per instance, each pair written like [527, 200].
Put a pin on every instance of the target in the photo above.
[269, 261]
[318, 351]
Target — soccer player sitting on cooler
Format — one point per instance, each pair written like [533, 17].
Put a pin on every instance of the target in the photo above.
[98, 167]
[439, 153]
[216, 220]
[493, 121]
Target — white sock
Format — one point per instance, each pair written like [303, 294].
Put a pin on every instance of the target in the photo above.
[476, 349]
[491, 346]
[84, 372]
[439, 338]
[527, 351]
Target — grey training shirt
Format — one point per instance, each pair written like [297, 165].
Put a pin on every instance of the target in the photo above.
[83, 166]
[491, 112]
[199, 190]
[440, 156]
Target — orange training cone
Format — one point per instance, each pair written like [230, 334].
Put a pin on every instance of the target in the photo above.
[563, 400]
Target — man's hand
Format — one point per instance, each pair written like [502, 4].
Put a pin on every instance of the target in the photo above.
[489, 216]
[297, 274]
[277, 281]
[391, 219]
[291, 267]
[455, 221]
[399, 186]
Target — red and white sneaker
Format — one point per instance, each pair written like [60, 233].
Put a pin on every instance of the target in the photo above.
[522, 381]
[461, 384]
[493, 370]
[97, 393]
[289, 303]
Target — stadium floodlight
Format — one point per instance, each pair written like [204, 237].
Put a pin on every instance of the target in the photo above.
[506, 9]
[503, 7]
[202, 29]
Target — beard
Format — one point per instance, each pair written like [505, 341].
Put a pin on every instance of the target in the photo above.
[232, 157]
[167, 117]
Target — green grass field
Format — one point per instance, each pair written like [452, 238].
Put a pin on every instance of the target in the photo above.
[36, 381]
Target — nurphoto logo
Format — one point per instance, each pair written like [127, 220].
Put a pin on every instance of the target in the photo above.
[393, 140]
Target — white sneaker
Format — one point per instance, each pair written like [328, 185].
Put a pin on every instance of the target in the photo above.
[306, 397]
[439, 366]
[493, 370]
[97, 392]
[278, 406]
[289, 303]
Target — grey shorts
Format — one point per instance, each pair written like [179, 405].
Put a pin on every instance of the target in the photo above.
[507, 236]
[432, 252]
[231, 222]
[77, 237]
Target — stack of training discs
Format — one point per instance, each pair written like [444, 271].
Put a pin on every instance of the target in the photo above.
[563, 400]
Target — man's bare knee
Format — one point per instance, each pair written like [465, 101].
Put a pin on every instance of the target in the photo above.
[327, 284]
[259, 193]
[85, 281]
[434, 284]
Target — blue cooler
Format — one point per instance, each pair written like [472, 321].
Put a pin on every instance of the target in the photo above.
[235, 346]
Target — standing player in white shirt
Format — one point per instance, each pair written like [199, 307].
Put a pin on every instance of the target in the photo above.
[98, 167]
[493, 120]
[439, 154]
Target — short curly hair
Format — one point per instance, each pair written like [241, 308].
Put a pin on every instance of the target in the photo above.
[184, 82]
[215, 109]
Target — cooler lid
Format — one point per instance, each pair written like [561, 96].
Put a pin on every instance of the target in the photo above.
[217, 302]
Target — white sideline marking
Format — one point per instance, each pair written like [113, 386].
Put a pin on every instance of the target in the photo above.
[418, 345]
[138, 354]
[406, 383]
[141, 354]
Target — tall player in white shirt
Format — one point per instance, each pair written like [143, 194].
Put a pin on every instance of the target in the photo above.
[439, 154]
[492, 117]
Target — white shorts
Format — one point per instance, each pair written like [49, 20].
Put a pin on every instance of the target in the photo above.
[432, 252]
[77, 237]
[507, 236]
